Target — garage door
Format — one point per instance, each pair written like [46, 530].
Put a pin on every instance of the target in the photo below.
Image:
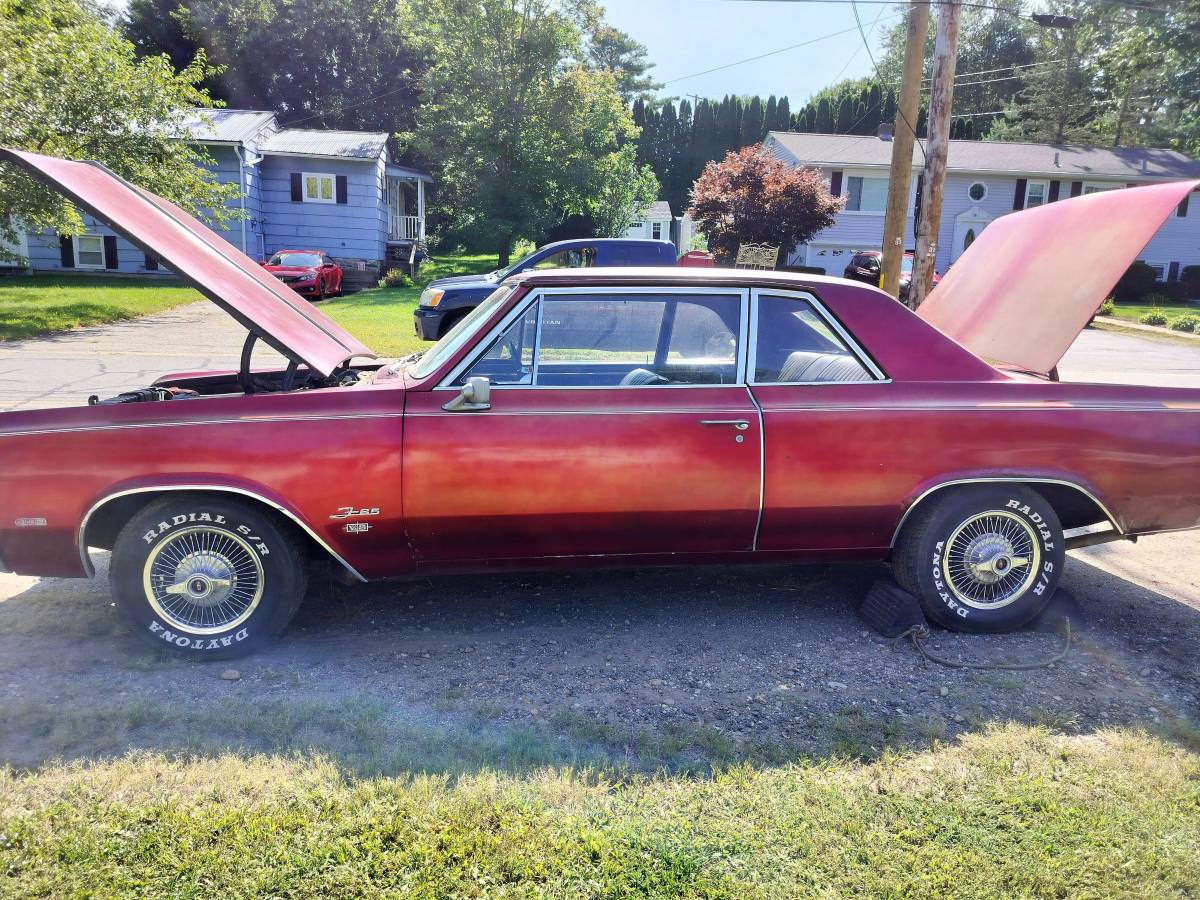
[834, 258]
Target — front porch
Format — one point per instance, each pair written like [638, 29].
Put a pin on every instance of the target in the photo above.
[405, 205]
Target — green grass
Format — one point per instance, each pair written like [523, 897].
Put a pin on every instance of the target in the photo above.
[1133, 312]
[382, 317]
[1010, 812]
[43, 304]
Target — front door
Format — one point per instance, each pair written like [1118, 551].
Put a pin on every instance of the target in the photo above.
[619, 426]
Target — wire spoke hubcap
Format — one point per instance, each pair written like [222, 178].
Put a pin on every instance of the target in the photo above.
[203, 580]
[991, 559]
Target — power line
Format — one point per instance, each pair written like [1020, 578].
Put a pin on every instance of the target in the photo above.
[851, 57]
[1131, 6]
[875, 66]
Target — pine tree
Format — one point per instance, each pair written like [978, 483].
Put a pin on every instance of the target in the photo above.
[845, 116]
[783, 115]
[823, 123]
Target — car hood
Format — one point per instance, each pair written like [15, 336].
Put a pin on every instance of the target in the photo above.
[236, 283]
[1032, 280]
[462, 281]
[291, 270]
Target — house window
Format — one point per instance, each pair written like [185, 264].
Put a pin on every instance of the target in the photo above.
[977, 191]
[319, 188]
[866, 194]
[656, 230]
[1035, 193]
[89, 251]
[637, 226]
[1095, 187]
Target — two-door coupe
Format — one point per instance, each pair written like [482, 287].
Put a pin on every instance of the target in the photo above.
[614, 417]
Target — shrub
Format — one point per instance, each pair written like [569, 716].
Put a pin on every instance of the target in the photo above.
[1154, 318]
[1186, 323]
[1190, 279]
[1156, 300]
[1175, 291]
[393, 278]
[1107, 308]
[1138, 281]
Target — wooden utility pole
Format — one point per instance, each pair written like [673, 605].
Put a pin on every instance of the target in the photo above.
[902, 146]
[941, 98]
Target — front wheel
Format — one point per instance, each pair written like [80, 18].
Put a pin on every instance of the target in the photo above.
[207, 577]
[984, 558]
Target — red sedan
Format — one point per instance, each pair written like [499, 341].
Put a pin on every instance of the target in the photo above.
[614, 417]
[310, 273]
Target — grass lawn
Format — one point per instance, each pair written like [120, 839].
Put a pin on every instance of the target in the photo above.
[1133, 312]
[382, 317]
[42, 304]
[1011, 811]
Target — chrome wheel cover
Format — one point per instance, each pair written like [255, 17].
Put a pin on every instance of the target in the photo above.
[991, 559]
[203, 580]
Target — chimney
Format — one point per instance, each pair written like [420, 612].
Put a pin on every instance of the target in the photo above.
[1057, 161]
[1145, 166]
[886, 130]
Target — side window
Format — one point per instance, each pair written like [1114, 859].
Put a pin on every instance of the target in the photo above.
[613, 340]
[509, 360]
[796, 345]
[575, 258]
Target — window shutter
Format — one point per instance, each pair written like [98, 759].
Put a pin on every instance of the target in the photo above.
[1019, 194]
[297, 188]
[1173, 272]
[835, 183]
[1182, 211]
[110, 252]
[66, 249]
[1076, 188]
[1053, 192]
[341, 189]
[151, 263]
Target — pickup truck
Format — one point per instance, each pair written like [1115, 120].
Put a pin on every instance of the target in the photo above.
[445, 301]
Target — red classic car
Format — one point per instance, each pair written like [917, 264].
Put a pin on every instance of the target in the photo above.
[614, 417]
[310, 273]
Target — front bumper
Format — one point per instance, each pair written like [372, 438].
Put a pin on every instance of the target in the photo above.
[427, 322]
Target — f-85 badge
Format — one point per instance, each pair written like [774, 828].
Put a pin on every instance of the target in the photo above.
[353, 512]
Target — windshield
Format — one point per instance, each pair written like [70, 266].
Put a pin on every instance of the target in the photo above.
[501, 274]
[295, 259]
[454, 339]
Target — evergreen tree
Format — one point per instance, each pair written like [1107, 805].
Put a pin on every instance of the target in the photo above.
[783, 115]
[823, 123]
[845, 116]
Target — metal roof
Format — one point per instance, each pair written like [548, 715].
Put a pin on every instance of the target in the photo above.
[1055, 160]
[319, 142]
[228, 125]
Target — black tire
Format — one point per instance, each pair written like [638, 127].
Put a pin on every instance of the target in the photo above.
[321, 295]
[947, 569]
[224, 617]
[451, 320]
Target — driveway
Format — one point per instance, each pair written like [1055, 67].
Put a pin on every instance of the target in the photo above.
[644, 668]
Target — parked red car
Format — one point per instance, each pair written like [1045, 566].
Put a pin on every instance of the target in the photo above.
[864, 266]
[614, 417]
[310, 273]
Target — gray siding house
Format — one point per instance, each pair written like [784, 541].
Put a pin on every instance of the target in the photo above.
[984, 180]
[336, 191]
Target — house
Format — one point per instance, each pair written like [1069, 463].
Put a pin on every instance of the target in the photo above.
[658, 223]
[984, 180]
[336, 191]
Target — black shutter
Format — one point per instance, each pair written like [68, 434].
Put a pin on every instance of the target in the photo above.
[1173, 272]
[1076, 188]
[1019, 194]
[1182, 211]
[66, 250]
[297, 188]
[835, 183]
[341, 189]
[110, 252]
[151, 263]
[1053, 192]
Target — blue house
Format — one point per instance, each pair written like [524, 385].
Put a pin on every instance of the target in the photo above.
[336, 191]
[984, 180]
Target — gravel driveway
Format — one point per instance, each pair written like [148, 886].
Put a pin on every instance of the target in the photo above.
[641, 668]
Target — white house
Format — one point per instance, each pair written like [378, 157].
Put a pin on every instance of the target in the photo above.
[658, 223]
[984, 180]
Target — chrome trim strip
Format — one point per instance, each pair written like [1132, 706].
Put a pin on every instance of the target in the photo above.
[864, 358]
[215, 488]
[615, 411]
[247, 420]
[762, 469]
[1005, 479]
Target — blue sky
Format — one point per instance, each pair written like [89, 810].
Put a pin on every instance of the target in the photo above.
[689, 36]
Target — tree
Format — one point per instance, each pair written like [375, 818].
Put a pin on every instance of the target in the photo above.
[751, 197]
[612, 49]
[521, 133]
[75, 88]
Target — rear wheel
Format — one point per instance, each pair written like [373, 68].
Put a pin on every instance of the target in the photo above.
[207, 577]
[985, 558]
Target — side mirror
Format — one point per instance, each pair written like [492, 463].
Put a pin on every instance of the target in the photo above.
[475, 395]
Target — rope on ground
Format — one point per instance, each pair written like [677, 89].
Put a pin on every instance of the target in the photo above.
[919, 634]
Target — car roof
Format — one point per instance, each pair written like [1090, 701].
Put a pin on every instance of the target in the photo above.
[672, 275]
[588, 242]
[300, 250]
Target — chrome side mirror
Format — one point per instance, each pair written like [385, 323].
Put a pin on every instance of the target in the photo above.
[475, 395]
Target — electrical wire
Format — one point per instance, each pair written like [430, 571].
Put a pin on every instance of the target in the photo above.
[878, 76]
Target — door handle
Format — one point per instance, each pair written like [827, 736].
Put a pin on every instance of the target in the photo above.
[739, 424]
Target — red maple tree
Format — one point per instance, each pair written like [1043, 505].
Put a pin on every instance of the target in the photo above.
[750, 197]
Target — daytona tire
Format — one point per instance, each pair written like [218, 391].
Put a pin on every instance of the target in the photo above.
[981, 559]
[207, 577]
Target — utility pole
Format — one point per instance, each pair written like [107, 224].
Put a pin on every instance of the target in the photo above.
[903, 138]
[941, 98]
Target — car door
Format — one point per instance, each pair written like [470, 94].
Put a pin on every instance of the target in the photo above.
[619, 425]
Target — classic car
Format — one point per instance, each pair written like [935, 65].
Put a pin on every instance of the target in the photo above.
[613, 417]
[310, 273]
[445, 301]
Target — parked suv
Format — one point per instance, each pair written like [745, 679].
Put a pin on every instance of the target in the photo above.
[447, 300]
[864, 267]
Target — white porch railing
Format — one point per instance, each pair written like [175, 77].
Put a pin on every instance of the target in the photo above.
[404, 228]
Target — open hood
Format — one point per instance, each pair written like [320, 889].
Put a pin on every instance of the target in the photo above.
[253, 296]
[1032, 280]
